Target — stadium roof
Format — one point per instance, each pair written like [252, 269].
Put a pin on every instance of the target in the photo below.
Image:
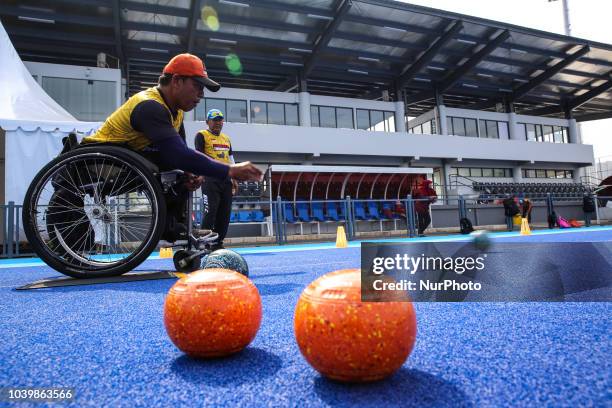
[358, 48]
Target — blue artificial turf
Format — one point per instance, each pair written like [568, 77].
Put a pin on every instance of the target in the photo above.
[109, 343]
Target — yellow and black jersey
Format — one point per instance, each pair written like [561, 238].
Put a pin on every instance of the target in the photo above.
[217, 147]
[147, 110]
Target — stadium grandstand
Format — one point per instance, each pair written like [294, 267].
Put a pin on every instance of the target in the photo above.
[341, 98]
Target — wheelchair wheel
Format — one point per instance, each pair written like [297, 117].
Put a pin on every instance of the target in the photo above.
[95, 212]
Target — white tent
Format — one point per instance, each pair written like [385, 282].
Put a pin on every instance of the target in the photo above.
[32, 124]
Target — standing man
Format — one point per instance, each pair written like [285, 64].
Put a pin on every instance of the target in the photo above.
[219, 191]
[588, 206]
[425, 195]
[510, 210]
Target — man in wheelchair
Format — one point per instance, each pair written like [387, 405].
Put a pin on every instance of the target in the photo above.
[151, 123]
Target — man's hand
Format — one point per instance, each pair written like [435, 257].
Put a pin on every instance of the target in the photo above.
[245, 172]
[193, 182]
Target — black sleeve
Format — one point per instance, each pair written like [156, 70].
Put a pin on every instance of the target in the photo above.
[151, 118]
[182, 132]
[199, 142]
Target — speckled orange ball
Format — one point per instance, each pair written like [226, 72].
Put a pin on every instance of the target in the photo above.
[212, 313]
[346, 339]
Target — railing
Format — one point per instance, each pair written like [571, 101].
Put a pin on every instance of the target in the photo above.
[355, 214]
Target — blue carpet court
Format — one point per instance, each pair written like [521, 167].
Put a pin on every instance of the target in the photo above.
[108, 342]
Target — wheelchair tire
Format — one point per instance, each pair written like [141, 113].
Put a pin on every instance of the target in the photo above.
[73, 194]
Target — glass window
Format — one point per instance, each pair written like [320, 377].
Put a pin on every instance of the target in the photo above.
[531, 132]
[531, 173]
[471, 128]
[548, 133]
[363, 119]
[389, 121]
[459, 126]
[236, 111]
[508, 172]
[427, 128]
[259, 112]
[541, 173]
[487, 172]
[560, 174]
[476, 172]
[502, 129]
[314, 116]
[492, 129]
[327, 116]
[214, 103]
[565, 137]
[538, 129]
[345, 118]
[85, 99]
[449, 125]
[483, 128]
[464, 171]
[558, 134]
[291, 115]
[569, 174]
[276, 113]
[377, 121]
[550, 174]
[498, 173]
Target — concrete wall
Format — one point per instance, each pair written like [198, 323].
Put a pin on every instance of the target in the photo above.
[326, 141]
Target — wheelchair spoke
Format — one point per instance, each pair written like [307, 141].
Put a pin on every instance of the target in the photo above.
[95, 211]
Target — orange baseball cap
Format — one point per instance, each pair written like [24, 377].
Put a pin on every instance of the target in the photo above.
[191, 66]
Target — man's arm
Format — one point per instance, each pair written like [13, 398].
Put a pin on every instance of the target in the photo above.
[199, 142]
[151, 118]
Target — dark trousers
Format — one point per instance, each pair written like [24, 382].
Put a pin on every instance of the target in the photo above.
[588, 216]
[219, 194]
[510, 222]
[423, 219]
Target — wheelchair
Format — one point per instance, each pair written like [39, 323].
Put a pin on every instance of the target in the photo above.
[100, 210]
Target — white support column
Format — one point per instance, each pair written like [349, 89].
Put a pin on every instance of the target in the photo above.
[304, 108]
[512, 126]
[517, 174]
[574, 133]
[400, 117]
[442, 117]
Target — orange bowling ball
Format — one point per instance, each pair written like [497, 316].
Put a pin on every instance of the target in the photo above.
[212, 313]
[346, 339]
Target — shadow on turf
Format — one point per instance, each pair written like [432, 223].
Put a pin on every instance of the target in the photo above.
[271, 289]
[407, 387]
[249, 366]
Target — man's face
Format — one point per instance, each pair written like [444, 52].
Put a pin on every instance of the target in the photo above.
[188, 93]
[215, 125]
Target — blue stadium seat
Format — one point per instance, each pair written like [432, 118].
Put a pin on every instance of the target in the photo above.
[360, 213]
[332, 211]
[257, 215]
[373, 210]
[289, 217]
[302, 212]
[244, 216]
[234, 216]
[317, 212]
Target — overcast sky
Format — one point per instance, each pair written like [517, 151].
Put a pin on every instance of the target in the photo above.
[589, 19]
